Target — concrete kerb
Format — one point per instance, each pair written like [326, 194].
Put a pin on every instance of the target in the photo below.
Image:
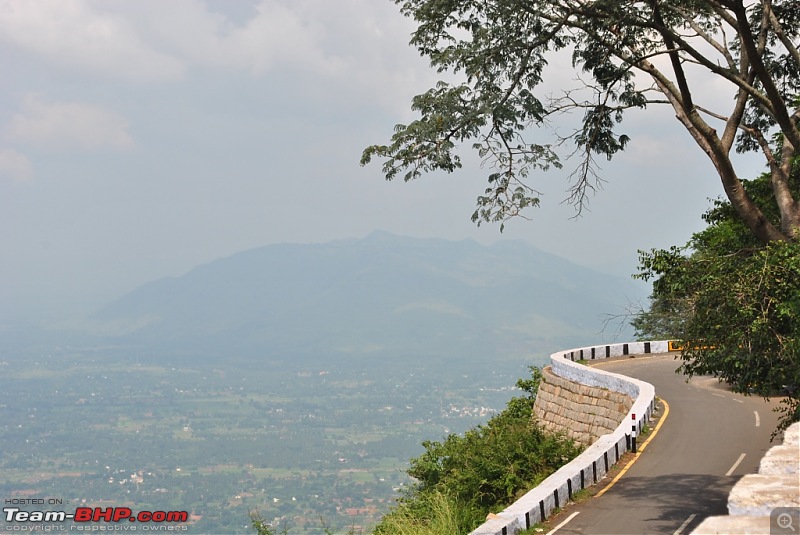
[754, 498]
[555, 491]
[792, 435]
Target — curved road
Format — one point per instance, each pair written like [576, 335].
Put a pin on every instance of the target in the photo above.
[710, 438]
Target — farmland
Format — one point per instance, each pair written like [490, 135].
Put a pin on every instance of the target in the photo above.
[299, 440]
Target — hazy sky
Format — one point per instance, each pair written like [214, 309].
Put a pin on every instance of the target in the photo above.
[141, 138]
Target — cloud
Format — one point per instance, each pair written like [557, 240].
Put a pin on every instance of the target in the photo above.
[73, 34]
[15, 166]
[67, 125]
[133, 41]
[280, 34]
[277, 34]
[302, 35]
[358, 43]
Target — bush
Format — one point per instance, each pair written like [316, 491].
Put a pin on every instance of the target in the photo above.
[487, 468]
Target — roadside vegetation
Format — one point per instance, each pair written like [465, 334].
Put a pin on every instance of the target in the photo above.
[465, 477]
[733, 300]
[263, 527]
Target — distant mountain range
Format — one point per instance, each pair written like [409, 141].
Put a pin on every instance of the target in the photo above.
[381, 296]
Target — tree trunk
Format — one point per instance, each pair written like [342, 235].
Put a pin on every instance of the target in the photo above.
[708, 140]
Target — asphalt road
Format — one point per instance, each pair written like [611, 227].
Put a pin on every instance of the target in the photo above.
[710, 438]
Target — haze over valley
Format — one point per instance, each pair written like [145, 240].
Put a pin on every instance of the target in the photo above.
[298, 379]
[197, 312]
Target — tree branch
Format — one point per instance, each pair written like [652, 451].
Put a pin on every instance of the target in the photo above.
[774, 100]
[781, 34]
[720, 47]
[705, 136]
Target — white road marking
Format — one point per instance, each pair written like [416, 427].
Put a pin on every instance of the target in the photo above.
[564, 523]
[739, 460]
[683, 526]
[758, 419]
[738, 400]
[718, 395]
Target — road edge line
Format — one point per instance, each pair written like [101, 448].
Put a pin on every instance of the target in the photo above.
[685, 523]
[640, 449]
[735, 465]
[564, 523]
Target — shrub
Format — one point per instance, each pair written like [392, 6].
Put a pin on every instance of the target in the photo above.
[487, 468]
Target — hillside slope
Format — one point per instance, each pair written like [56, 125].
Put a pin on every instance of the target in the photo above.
[383, 294]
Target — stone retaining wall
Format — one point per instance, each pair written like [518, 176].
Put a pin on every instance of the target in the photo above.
[591, 465]
[583, 413]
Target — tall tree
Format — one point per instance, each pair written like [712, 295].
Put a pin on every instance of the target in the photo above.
[733, 301]
[630, 55]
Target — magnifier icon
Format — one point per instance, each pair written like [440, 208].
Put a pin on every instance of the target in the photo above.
[785, 521]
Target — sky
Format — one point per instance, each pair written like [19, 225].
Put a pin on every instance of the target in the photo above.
[141, 138]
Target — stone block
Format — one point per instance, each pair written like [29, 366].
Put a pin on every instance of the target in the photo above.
[580, 411]
[733, 525]
[792, 434]
[781, 460]
[758, 495]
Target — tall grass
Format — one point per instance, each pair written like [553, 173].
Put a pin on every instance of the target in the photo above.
[440, 514]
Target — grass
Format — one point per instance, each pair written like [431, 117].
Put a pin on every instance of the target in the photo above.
[445, 516]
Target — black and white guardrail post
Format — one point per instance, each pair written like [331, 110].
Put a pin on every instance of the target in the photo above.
[539, 502]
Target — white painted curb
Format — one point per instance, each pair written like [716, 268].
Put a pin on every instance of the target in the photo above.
[591, 465]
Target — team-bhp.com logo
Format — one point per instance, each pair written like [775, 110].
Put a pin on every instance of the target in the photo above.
[95, 514]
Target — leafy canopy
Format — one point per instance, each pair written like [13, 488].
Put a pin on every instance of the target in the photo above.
[628, 55]
[734, 301]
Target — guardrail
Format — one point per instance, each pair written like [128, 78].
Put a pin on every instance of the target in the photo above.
[591, 465]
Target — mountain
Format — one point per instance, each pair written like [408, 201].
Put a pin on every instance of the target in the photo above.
[383, 295]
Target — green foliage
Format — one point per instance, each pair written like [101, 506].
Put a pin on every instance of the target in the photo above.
[429, 513]
[490, 464]
[746, 323]
[670, 304]
[262, 527]
[495, 53]
[735, 303]
[486, 468]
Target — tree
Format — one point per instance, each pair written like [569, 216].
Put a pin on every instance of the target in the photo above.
[734, 301]
[630, 55]
[261, 526]
[732, 291]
